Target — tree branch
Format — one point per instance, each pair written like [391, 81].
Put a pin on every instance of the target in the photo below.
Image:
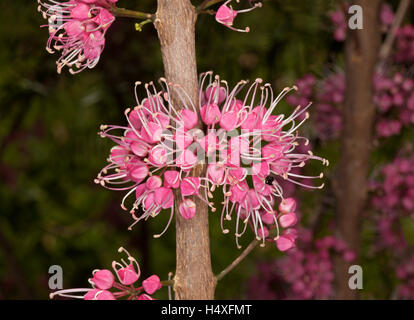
[168, 283]
[239, 259]
[175, 23]
[126, 13]
[389, 40]
[351, 187]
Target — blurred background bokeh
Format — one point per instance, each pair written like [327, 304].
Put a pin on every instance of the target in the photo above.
[52, 213]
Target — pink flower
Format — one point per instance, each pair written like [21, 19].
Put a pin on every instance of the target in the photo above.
[152, 284]
[190, 186]
[77, 29]
[287, 205]
[187, 209]
[102, 279]
[105, 287]
[288, 220]
[127, 273]
[189, 118]
[158, 148]
[226, 15]
[285, 242]
[172, 179]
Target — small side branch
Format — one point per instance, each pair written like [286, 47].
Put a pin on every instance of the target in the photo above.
[234, 264]
[168, 283]
[126, 13]
[389, 40]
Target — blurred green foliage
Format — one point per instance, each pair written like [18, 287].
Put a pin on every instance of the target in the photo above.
[51, 212]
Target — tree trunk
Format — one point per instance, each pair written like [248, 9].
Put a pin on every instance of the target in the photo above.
[361, 50]
[175, 23]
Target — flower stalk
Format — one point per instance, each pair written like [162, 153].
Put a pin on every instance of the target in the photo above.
[126, 13]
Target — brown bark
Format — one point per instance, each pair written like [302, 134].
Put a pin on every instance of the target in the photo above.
[361, 50]
[175, 23]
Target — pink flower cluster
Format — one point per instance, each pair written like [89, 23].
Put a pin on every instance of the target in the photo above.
[405, 273]
[104, 285]
[405, 44]
[396, 190]
[77, 29]
[393, 199]
[393, 97]
[306, 272]
[226, 14]
[340, 21]
[329, 95]
[249, 151]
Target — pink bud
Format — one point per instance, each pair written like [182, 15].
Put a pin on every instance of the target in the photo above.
[252, 201]
[97, 294]
[139, 173]
[229, 120]
[140, 190]
[190, 118]
[261, 169]
[226, 15]
[261, 187]
[239, 192]
[263, 232]
[164, 197]
[158, 155]
[292, 233]
[171, 179]
[152, 284]
[80, 11]
[103, 279]
[162, 118]
[189, 186]
[254, 118]
[149, 201]
[153, 182]
[104, 18]
[187, 209]
[216, 173]
[135, 120]
[273, 151]
[118, 154]
[288, 220]
[210, 114]
[139, 149]
[74, 28]
[268, 217]
[183, 139]
[211, 94]
[186, 160]
[285, 242]
[236, 174]
[152, 133]
[287, 205]
[209, 143]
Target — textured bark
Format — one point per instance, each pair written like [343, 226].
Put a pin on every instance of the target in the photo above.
[358, 115]
[175, 23]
